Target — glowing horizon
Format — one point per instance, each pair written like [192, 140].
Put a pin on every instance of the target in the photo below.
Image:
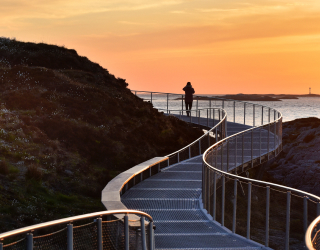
[251, 47]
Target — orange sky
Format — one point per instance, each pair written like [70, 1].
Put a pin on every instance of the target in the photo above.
[220, 46]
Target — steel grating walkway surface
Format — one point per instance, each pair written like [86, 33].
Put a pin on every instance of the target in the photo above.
[172, 198]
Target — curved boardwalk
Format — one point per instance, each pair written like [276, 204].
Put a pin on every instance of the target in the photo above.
[173, 198]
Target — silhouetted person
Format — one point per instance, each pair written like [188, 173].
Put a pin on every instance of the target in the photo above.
[189, 91]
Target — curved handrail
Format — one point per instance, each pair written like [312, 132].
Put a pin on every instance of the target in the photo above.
[72, 219]
[308, 237]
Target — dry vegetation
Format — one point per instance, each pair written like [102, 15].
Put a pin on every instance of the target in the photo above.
[67, 127]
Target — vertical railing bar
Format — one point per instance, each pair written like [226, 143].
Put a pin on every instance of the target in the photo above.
[267, 216]
[178, 156]
[260, 145]
[249, 211]
[235, 155]
[234, 111]
[261, 115]
[189, 152]
[242, 152]
[207, 117]
[167, 103]
[252, 148]
[143, 234]
[288, 221]
[99, 234]
[151, 97]
[227, 155]
[151, 236]
[234, 217]
[275, 137]
[126, 232]
[214, 211]
[244, 115]
[182, 104]
[223, 200]
[268, 140]
[254, 115]
[222, 156]
[305, 214]
[30, 242]
[70, 237]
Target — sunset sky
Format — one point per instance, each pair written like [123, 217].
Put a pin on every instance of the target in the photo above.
[220, 46]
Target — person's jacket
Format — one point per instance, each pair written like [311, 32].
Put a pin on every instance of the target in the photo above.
[189, 91]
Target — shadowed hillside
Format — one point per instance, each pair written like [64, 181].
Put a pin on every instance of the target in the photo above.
[67, 126]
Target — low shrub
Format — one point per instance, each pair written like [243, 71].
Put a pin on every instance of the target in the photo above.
[33, 172]
[4, 168]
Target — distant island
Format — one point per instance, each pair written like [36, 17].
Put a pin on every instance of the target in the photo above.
[257, 97]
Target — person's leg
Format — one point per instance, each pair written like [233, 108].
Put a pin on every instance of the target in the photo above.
[188, 108]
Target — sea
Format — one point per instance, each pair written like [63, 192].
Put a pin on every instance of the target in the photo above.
[291, 109]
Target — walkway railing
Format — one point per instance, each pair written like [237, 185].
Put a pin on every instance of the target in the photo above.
[274, 215]
[312, 237]
[90, 231]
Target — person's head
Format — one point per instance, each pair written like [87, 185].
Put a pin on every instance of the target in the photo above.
[189, 84]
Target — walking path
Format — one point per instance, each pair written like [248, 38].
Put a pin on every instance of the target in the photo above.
[173, 198]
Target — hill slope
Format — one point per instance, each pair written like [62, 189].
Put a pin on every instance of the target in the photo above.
[67, 127]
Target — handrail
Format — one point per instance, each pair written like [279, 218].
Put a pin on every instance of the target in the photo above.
[308, 237]
[72, 219]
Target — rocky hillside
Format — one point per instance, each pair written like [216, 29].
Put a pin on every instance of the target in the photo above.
[68, 126]
[298, 166]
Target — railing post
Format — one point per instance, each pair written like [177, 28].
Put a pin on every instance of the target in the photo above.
[222, 156]
[143, 234]
[227, 155]
[178, 158]
[216, 134]
[126, 232]
[252, 148]
[99, 234]
[261, 115]
[189, 152]
[30, 241]
[234, 217]
[254, 115]
[210, 107]
[260, 145]
[150, 172]
[213, 116]
[244, 115]
[269, 116]
[70, 237]
[305, 214]
[151, 97]
[223, 199]
[198, 117]
[249, 211]
[275, 137]
[182, 104]
[242, 151]
[214, 195]
[207, 117]
[151, 236]
[167, 103]
[223, 104]
[267, 216]
[234, 111]
[288, 220]
[268, 140]
[197, 101]
[235, 155]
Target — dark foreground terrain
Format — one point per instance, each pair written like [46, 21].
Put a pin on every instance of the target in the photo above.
[68, 126]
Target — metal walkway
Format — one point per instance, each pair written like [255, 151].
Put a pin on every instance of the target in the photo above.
[172, 198]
